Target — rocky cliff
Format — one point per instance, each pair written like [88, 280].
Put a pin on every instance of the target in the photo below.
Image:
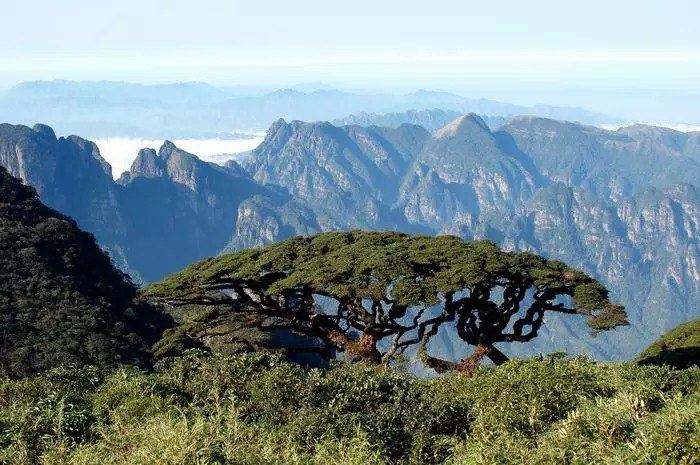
[622, 205]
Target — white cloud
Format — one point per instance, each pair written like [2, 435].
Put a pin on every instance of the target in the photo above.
[120, 152]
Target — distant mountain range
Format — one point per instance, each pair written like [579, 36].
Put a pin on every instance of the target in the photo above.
[431, 120]
[622, 205]
[108, 109]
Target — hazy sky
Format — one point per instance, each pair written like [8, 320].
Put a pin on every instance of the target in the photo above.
[508, 49]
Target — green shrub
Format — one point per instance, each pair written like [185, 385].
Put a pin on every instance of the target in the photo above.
[679, 348]
[258, 409]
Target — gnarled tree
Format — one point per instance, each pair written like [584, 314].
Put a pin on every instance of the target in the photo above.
[391, 291]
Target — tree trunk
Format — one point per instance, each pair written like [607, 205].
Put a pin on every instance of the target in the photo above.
[496, 356]
[365, 349]
[468, 365]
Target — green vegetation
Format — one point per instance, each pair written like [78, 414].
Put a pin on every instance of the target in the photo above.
[383, 285]
[77, 383]
[61, 299]
[679, 348]
[257, 409]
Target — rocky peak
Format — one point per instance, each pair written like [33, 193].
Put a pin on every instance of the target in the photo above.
[181, 166]
[147, 165]
[166, 149]
[44, 131]
[277, 135]
[464, 126]
[90, 148]
[659, 139]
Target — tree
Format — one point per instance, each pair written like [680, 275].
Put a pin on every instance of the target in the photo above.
[386, 286]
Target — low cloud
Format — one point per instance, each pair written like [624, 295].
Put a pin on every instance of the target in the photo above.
[120, 152]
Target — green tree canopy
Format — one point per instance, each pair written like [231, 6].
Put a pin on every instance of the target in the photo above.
[386, 286]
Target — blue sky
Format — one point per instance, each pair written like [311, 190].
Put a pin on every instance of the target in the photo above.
[523, 51]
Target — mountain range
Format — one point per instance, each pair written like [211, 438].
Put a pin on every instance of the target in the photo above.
[432, 119]
[198, 110]
[622, 205]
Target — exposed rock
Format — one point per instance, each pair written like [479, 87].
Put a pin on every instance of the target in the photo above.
[622, 205]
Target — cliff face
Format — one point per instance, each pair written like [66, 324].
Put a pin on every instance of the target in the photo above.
[69, 175]
[622, 205]
[348, 176]
[170, 209]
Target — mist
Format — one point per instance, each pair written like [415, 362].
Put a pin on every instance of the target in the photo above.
[120, 152]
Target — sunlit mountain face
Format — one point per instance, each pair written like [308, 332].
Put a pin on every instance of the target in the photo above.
[621, 205]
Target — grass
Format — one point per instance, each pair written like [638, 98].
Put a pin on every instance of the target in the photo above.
[257, 409]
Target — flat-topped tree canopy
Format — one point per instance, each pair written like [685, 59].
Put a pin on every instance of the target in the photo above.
[385, 281]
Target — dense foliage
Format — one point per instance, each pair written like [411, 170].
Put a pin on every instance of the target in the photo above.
[384, 287]
[679, 348]
[61, 300]
[256, 409]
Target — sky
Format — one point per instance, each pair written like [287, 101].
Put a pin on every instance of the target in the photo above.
[597, 54]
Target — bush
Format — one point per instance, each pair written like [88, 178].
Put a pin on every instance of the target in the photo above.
[258, 409]
[679, 348]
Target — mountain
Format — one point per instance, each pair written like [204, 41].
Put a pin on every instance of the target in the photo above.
[349, 176]
[61, 299]
[463, 182]
[621, 205]
[101, 109]
[169, 209]
[69, 175]
[432, 119]
[622, 161]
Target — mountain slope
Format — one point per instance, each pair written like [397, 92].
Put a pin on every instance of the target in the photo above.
[170, 209]
[348, 176]
[612, 162]
[679, 348]
[61, 300]
[69, 175]
[621, 205]
[463, 181]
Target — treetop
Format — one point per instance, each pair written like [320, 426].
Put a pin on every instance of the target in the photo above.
[393, 267]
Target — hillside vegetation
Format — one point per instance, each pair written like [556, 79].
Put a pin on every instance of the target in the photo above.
[679, 347]
[256, 409]
[78, 384]
[61, 299]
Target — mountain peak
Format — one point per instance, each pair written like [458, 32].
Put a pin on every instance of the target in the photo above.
[45, 131]
[463, 125]
[90, 149]
[277, 125]
[166, 149]
[147, 165]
